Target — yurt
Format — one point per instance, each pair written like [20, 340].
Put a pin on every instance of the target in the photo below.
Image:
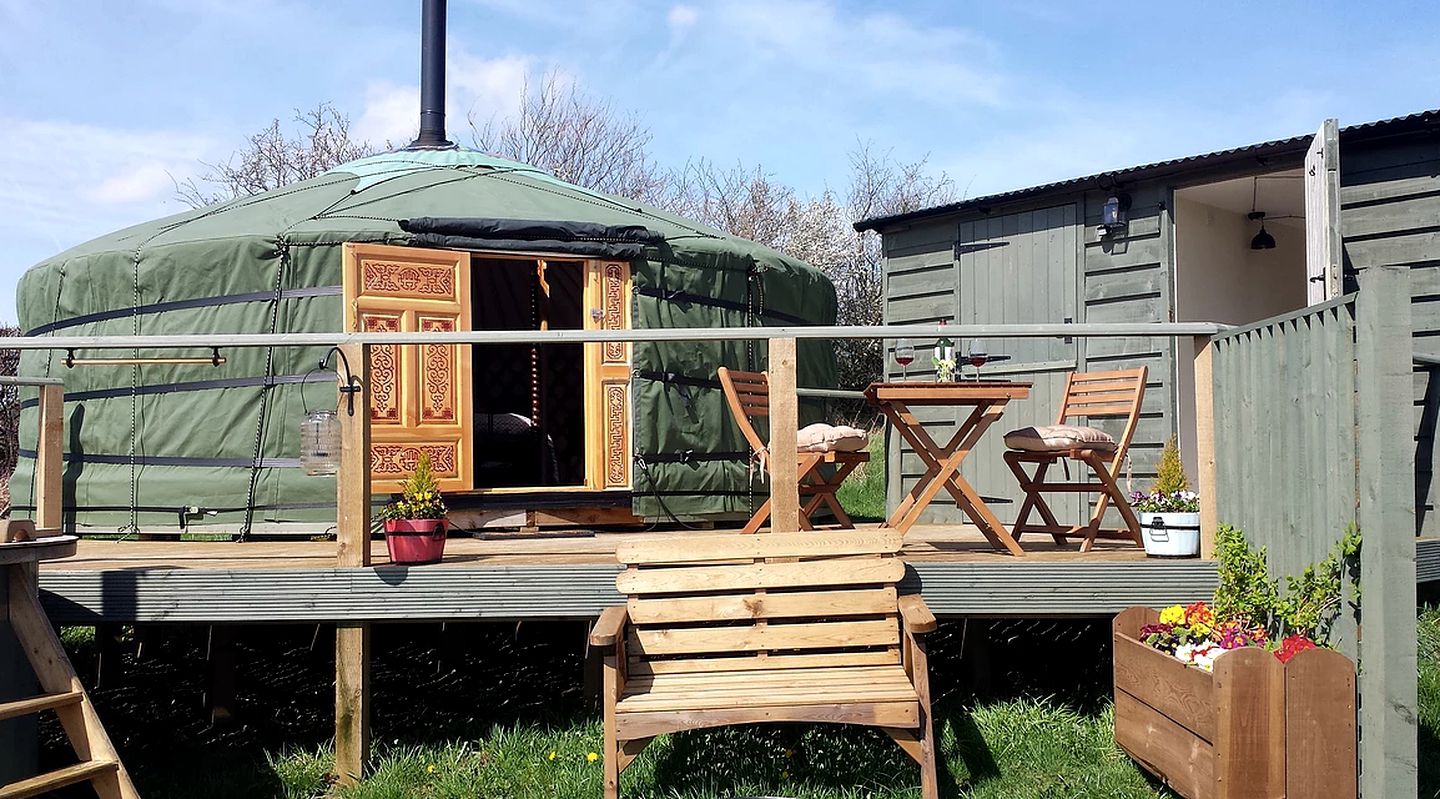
[420, 239]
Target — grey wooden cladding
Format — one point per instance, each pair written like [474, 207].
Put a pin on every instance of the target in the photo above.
[1006, 587]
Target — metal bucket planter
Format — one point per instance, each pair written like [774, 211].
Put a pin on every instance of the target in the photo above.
[415, 541]
[1171, 535]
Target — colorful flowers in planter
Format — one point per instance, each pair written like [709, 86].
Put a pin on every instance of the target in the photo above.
[1165, 502]
[1193, 635]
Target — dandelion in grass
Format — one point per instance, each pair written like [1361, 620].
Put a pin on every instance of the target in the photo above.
[430, 769]
[592, 757]
[551, 756]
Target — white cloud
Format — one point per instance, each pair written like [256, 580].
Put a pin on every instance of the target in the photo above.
[145, 181]
[682, 17]
[477, 88]
[63, 183]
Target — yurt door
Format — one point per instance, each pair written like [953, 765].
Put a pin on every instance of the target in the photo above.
[417, 405]
[607, 367]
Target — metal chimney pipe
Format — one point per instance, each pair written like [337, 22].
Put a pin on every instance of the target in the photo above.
[432, 78]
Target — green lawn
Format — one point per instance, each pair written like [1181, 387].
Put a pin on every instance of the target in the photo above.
[863, 493]
[1021, 749]
[1429, 706]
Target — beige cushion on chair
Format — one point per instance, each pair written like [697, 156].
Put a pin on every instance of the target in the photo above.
[1059, 437]
[821, 437]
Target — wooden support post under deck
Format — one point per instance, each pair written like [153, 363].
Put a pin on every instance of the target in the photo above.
[49, 466]
[784, 427]
[352, 639]
[1385, 449]
[1205, 474]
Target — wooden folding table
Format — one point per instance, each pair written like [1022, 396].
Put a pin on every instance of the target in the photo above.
[987, 400]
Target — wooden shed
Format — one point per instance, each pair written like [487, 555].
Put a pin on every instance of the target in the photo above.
[1188, 247]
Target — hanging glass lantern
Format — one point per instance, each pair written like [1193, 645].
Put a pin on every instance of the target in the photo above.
[320, 442]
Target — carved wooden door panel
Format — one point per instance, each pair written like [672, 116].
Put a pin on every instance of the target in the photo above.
[420, 396]
[607, 398]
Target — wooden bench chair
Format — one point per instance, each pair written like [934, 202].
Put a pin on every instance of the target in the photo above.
[1091, 395]
[820, 473]
[719, 630]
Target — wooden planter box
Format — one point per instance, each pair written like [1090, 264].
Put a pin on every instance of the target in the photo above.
[1256, 727]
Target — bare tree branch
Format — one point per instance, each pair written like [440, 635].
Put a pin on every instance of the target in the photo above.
[578, 139]
[272, 158]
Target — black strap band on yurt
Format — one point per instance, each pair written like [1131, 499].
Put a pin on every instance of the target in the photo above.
[196, 385]
[682, 383]
[747, 308]
[689, 456]
[180, 305]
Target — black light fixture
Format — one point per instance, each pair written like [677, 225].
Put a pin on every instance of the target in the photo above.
[1263, 240]
[1112, 213]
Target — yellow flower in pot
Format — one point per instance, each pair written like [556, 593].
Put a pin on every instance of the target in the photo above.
[415, 524]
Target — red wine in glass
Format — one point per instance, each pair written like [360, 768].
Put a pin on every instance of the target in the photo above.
[904, 355]
[978, 356]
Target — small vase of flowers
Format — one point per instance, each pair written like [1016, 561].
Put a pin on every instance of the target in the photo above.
[415, 523]
[1170, 513]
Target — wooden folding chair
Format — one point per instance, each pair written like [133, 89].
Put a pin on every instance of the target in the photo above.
[1092, 395]
[748, 394]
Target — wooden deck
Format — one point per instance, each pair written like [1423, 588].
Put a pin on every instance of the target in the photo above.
[555, 577]
[932, 544]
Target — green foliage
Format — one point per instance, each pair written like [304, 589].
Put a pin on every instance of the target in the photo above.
[1310, 602]
[1427, 628]
[421, 496]
[862, 495]
[1170, 474]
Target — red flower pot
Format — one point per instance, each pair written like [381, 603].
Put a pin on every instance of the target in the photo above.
[415, 541]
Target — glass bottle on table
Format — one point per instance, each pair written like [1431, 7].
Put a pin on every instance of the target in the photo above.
[904, 355]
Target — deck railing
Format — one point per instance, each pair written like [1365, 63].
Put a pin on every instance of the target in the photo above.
[1315, 431]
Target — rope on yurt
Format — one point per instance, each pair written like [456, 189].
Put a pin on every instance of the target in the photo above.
[282, 248]
[133, 528]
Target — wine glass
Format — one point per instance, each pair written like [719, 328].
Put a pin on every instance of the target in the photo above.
[904, 355]
[978, 356]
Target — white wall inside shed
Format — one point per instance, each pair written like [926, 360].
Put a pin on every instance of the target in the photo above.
[1218, 278]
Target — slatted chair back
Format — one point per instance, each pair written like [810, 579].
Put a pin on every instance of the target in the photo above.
[716, 603]
[1106, 395]
[748, 395]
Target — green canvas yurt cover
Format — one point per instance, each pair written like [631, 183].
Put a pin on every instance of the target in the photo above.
[146, 443]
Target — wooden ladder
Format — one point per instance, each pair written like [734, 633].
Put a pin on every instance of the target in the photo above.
[98, 763]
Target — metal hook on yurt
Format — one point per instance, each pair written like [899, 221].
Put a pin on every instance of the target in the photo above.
[320, 429]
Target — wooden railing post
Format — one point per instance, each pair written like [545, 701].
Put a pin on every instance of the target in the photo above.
[49, 457]
[352, 536]
[1205, 475]
[784, 425]
[1385, 449]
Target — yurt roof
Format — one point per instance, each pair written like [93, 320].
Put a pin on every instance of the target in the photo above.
[367, 198]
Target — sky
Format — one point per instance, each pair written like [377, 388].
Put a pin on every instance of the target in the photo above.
[105, 104]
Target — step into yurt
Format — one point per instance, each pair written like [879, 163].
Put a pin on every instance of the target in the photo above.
[415, 240]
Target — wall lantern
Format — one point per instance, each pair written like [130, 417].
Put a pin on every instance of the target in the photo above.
[1113, 214]
[320, 443]
[320, 429]
[1263, 240]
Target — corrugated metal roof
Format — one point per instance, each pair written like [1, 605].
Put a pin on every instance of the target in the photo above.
[1258, 150]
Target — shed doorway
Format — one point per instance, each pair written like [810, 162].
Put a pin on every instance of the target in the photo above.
[1224, 270]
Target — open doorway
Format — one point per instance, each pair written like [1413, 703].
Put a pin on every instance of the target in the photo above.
[1234, 266]
[529, 401]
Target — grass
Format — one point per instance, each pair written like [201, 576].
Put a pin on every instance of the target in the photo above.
[1020, 749]
[1428, 685]
[863, 493]
[477, 709]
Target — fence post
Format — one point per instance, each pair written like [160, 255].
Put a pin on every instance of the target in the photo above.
[49, 457]
[784, 425]
[352, 538]
[1205, 475]
[1386, 514]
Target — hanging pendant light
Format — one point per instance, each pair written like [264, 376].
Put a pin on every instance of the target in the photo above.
[1263, 240]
